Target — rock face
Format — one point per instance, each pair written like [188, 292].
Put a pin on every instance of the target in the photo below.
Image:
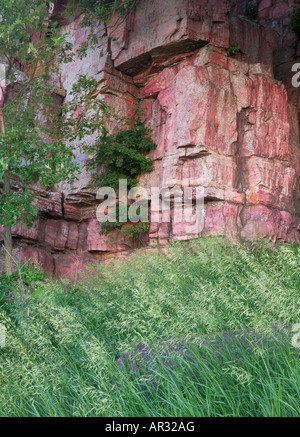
[227, 124]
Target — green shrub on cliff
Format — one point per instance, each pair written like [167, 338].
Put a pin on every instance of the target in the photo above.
[232, 50]
[122, 155]
[251, 11]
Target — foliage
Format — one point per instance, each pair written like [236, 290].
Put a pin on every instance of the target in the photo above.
[131, 234]
[36, 136]
[32, 146]
[10, 284]
[102, 10]
[122, 154]
[251, 11]
[232, 50]
[83, 114]
[107, 227]
[134, 233]
[110, 12]
[63, 361]
[295, 22]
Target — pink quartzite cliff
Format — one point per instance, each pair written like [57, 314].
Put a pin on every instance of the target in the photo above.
[229, 124]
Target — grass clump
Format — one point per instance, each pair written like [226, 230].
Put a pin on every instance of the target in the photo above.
[60, 360]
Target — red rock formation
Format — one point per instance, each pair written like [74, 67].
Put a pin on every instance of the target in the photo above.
[228, 124]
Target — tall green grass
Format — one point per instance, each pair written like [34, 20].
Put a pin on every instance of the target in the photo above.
[60, 355]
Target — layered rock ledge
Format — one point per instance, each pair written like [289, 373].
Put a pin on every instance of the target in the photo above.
[228, 124]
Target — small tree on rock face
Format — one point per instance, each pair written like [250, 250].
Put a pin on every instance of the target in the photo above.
[34, 134]
[31, 146]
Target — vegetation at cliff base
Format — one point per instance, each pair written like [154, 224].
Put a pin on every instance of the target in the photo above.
[61, 352]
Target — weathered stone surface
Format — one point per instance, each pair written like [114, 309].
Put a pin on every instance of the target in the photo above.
[255, 42]
[73, 236]
[161, 30]
[97, 242]
[267, 132]
[265, 222]
[70, 265]
[102, 243]
[30, 233]
[269, 182]
[227, 124]
[37, 256]
[56, 233]
[49, 203]
[222, 218]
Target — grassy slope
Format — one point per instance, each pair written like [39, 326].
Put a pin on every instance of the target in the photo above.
[61, 359]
